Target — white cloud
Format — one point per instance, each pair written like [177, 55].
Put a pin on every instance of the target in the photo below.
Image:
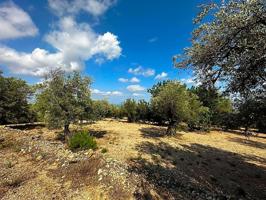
[74, 44]
[15, 22]
[132, 80]
[141, 71]
[72, 7]
[106, 93]
[161, 76]
[152, 40]
[123, 80]
[189, 81]
[135, 88]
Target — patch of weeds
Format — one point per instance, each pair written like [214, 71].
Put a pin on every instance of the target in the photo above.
[104, 150]
[14, 145]
[16, 148]
[15, 181]
[82, 141]
[8, 164]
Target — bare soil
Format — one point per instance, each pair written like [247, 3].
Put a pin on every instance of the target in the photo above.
[140, 163]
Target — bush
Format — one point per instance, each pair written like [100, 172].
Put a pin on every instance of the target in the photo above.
[81, 141]
[104, 150]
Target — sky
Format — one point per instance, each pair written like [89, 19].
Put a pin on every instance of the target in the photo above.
[125, 46]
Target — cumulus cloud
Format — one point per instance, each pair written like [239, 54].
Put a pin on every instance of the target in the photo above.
[106, 93]
[74, 44]
[132, 80]
[15, 22]
[123, 80]
[79, 40]
[70, 7]
[189, 81]
[141, 71]
[135, 88]
[161, 76]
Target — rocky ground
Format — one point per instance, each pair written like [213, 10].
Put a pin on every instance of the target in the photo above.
[140, 163]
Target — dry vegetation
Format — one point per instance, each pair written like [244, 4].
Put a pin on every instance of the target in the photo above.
[140, 163]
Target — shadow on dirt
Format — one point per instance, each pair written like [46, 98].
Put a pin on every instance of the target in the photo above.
[241, 133]
[197, 172]
[249, 142]
[97, 133]
[153, 132]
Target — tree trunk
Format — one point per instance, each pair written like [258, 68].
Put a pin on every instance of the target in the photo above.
[66, 131]
[171, 129]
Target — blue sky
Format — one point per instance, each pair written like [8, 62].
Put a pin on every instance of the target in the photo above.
[126, 46]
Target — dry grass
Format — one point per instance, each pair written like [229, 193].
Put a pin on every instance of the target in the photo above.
[124, 137]
[223, 163]
[215, 161]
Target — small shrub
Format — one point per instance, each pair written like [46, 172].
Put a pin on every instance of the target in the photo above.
[104, 150]
[8, 164]
[81, 141]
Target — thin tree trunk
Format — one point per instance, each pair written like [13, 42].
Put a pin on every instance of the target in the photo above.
[171, 129]
[66, 131]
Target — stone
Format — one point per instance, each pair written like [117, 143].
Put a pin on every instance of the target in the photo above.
[39, 157]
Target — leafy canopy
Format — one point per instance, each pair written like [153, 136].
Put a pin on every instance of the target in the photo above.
[175, 104]
[14, 96]
[230, 47]
[63, 99]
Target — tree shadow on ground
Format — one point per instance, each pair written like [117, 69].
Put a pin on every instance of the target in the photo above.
[97, 133]
[241, 133]
[197, 172]
[249, 142]
[155, 132]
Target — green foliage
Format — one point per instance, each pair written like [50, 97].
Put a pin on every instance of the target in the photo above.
[81, 141]
[104, 150]
[14, 106]
[218, 105]
[63, 99]
[101, 109]
[117, 111]
[174, 104]
[199, 116]
[143, 111]
[229, 46]
[156, 88]
[130, 109]
[251, 112]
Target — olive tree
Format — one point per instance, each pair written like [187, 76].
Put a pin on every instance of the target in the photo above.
[219, 105]
[14, 101]
[130, 110]
[228, 45]
[174, 104]
[63, 99]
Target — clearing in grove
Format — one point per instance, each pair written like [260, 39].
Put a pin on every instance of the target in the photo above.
[133, 161]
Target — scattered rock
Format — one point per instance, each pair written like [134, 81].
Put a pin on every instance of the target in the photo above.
[40, 157]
